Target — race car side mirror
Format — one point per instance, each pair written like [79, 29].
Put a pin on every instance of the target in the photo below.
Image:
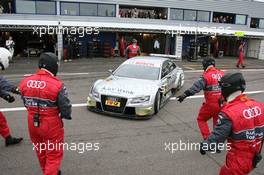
[111, 71]
[168, 76]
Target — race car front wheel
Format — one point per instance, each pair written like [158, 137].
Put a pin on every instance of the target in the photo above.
[157, 102]
[2, 66]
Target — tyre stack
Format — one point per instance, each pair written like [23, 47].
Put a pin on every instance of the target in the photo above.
[106, 49]
[203, 50]
[90, 53]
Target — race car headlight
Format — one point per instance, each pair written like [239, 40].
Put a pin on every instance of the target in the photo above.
[94, 93]
[142, 99]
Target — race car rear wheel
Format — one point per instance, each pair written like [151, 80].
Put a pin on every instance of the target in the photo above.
[157, 102]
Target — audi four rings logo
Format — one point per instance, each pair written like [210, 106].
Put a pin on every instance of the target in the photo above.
[216, 76]
[36, 84]
[252, 112]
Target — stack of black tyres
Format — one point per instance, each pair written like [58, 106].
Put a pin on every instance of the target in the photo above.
[106, 50]
[90, 53]
[203, 50]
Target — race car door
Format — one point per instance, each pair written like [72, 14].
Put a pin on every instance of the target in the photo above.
[168, 77]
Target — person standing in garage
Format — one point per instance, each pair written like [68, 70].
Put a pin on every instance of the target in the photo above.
[122, 46]
[47, 103]
[156, 46]
[241, 57]
[241, 121]
[10, 44]
[208, 82]
[133, 50]
[5, 87]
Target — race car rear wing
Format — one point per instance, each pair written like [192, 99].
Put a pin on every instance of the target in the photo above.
[173, 57]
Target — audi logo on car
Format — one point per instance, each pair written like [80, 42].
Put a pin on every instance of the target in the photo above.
[252, 112]
[36, 84]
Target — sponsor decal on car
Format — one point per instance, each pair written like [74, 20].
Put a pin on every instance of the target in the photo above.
[144, 63]
[117, 90]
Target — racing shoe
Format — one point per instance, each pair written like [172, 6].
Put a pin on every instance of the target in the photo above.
[12, 141]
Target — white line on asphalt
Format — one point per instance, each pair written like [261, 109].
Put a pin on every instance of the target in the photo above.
[84, 104]
[202, 96]
[188, 67]
[94, 73]
[241, 70]
[78, 73]
[23, 108]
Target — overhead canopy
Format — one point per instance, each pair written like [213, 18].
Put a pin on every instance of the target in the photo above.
[198, 28]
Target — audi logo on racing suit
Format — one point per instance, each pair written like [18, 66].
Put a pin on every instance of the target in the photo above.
[217, 76]
[36, 84]
[252, 112]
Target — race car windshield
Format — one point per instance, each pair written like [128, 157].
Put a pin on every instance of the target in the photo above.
[138, 72]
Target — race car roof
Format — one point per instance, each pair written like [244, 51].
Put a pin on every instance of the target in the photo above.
[146, 61]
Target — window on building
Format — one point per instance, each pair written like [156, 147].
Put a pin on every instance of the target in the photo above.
[176, 14]
[203, 16]
[241, 19]
[88, 9]
[25, 6]
[106, 10]
[261, 23]
[142, 12]
[254, 23]
[69, 8]
[46, 7]
[7, 6]
[189, 15]
[228, 18]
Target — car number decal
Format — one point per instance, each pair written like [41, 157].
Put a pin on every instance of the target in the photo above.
[112, 103]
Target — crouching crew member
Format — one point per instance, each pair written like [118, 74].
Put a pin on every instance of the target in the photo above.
[45, 98]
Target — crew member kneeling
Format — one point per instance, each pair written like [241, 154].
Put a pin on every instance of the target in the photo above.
[45, 98]
[241, 121]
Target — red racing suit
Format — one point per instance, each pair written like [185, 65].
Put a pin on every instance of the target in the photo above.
[122, 47]
[241, 122]
[132, 51]
[44, 94]
[212, 93]
[5, 87]
[241, 57]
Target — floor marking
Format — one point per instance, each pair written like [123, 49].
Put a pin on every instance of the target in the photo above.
[202, 96]
[187, 67]
[106, 72]
[85, 104]
[23, 108]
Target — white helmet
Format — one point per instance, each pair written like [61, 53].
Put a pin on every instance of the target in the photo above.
[5, 55]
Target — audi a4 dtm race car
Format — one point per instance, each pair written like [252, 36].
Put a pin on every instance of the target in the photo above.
[138, 88]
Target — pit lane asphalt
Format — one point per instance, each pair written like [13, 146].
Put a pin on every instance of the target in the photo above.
[126, 146]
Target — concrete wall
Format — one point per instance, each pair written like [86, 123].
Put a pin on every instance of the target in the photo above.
[253, 48]
[261, 51]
